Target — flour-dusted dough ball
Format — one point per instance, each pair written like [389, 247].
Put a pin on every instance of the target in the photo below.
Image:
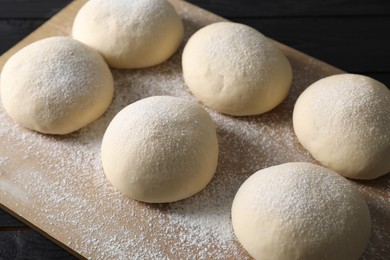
[56, 86]
[235, 70]
[344, 122]
[130, 33]
[160, 149]
[300, 211]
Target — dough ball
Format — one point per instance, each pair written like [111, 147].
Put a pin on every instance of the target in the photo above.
[344, 122]
[56, 86]
[300, 211]
[235, 70]
[160, 149]
[130, 33]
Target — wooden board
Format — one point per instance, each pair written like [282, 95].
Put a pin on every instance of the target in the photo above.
[56, 184]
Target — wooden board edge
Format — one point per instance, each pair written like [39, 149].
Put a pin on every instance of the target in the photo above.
[76, 4]
[36, 35]
[48, 28]
[40, 231]
[287, 50]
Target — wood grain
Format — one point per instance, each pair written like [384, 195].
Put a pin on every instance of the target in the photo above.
[11, 9]
[29, 245]
[354, 51]
[16, 30]
[347, 34]
[42, 214]
[303, 8]
[60, 24]
[7, 221]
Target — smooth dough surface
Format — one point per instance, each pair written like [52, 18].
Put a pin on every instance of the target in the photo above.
[160, 149]
[130, 34]
[235, 70]
[344, 122]
[300, 211]
[56, 86]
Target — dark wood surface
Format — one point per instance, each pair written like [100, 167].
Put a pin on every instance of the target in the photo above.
[350, 34]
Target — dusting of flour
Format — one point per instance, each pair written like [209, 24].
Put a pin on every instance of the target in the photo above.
[57, 182]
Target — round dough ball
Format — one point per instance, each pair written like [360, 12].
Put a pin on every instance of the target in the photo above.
[160, 149]
[235, 70]
[130, 33]
[56, 86]
[300, 211]
[344, 122]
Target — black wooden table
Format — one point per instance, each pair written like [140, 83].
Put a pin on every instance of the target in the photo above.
[350, 34]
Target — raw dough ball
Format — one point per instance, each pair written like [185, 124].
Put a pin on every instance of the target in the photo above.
[344, 122]
[160, 149]
[300, 211]
[235, 70]
[56, 86]
[130, 33]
